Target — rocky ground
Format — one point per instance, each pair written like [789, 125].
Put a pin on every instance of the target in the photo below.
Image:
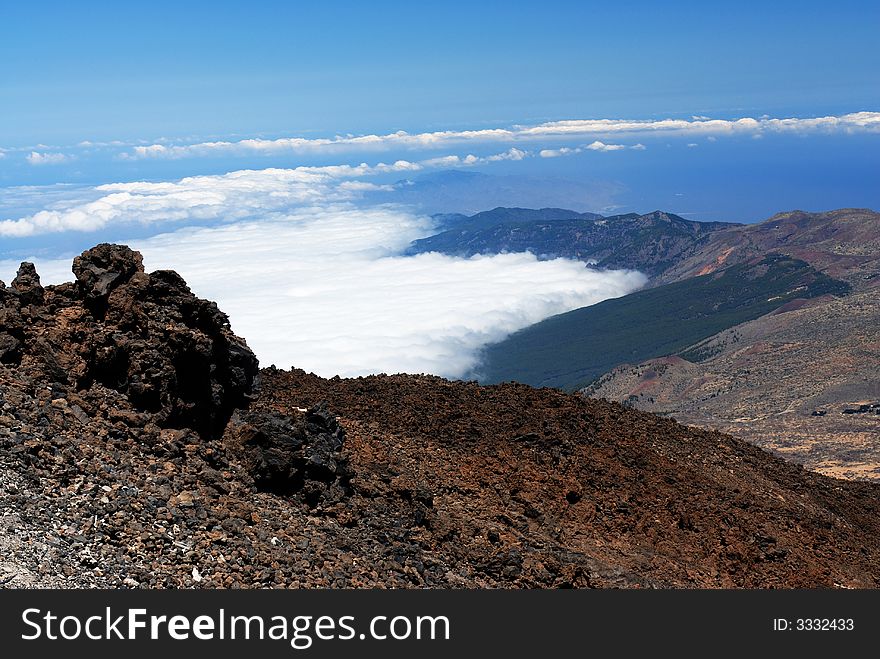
[140, 447]
[803, 382]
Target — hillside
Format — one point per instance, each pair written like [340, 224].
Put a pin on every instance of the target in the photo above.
[140, 447]
[571, 349]
[803, 382]
[652, 243]
[843, 243]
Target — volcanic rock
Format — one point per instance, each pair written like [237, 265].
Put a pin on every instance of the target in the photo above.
[146, 336]
[102, 268]
[27, 284]
[285, 456]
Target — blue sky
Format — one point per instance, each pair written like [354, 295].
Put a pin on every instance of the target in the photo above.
[196, 129]
[138, 70]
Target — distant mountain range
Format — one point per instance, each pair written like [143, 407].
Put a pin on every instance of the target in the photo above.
[746, 328]
[652, 243]
[458, 223]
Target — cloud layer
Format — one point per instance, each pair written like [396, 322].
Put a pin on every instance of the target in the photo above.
[575, 128]
[327, 293]
[227, 197]
[324, 289]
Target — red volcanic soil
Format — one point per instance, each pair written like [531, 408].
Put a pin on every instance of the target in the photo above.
[587, 492]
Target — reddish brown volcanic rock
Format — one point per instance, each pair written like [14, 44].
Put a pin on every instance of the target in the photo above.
[143, 335]
[589, 493]
[114, 392]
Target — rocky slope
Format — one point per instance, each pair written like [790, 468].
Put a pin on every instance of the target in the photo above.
[843, 243]
[803, 382]
[139, 447]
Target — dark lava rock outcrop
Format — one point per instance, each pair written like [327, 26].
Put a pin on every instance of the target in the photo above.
[136, 449]
[143, 335]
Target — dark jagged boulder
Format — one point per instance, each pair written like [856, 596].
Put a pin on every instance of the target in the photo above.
[10, 348]
[11, 325]
[144, 335]
[27, 284]
[293, 457]
[101, 269]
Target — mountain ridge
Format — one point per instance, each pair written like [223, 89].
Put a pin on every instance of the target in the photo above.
[652, 242]
[844, 242]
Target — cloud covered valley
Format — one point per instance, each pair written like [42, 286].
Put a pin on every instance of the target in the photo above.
[314, 278]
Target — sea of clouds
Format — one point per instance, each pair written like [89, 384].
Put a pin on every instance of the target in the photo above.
[313, 277]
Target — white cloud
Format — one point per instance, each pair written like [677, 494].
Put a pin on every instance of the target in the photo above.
[230, 196]
[511, 154]
[88, 144]
[594, 146]
[37, 158]
[227, 197]
[340, 302]
[325, 289]
[471, 159]
[692, 145]
[601, 146]
[601, 130]
[364, 186]
[555, 153]
[853, 122]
